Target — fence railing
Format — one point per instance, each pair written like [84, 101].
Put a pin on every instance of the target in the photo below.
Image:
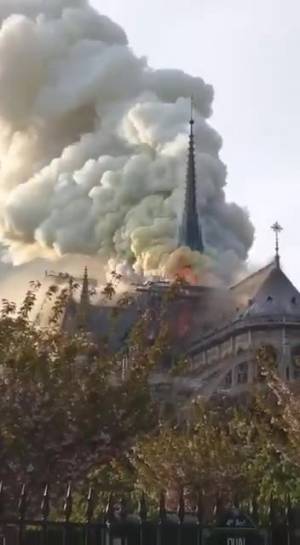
[118, 525]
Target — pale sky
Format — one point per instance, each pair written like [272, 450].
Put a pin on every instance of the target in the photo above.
[249, 50]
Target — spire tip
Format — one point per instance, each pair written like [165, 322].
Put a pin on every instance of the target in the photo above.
[192, 121]
[276, 227]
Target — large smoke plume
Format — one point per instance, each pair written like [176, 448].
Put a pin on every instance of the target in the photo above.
[93, 145]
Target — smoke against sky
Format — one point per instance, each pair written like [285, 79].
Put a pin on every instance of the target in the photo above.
[250, 52]
[93, 145]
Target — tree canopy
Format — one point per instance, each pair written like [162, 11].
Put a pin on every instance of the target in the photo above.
[66, 408]
[68, 413]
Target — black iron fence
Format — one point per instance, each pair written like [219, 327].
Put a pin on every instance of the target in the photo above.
[118, 525]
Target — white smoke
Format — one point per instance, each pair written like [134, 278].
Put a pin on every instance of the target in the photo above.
[93, 144]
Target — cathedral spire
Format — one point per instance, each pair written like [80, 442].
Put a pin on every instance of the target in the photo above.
[190, 232]
[84, 300]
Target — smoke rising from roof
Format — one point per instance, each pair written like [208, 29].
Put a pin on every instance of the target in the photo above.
[93, 145]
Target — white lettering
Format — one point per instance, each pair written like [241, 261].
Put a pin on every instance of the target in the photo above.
[236, 541]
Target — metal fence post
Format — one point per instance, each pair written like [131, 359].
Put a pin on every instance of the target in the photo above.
[254, 510]
[89, 515]
[162, 518]
[68, 506]
[143, 511]
[3, 540]
[123, 519]
[289, 522]
[22, 507]
[45, 509]
[181, 515]
[109, 519]
[272, 520]
[200, 517]
[218, 509]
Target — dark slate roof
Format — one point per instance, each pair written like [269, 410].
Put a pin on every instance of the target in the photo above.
[111, 324]
[277, 296]
[250, 284]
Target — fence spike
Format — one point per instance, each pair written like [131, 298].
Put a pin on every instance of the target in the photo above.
[123, 509]
[162, 506]
[68, 503]
[2, 508]
[200, 508]
[109, 511]
[45, 505]
[22, 504]
[218, 506]
[254, 509]
[143, 510]
[289, 520]
[90, 504]
[181, 506]
[272, 511]
[236, 501]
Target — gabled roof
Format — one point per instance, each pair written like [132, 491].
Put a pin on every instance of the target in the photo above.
[111, 323]
[250, 284]
[277, 296]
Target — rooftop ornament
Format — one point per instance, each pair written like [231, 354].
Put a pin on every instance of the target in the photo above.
[277, 230]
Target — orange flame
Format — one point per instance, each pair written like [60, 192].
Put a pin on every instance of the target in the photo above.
[186, 274]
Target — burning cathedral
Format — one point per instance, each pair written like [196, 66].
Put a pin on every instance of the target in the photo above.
[217, 329]
[92, 148]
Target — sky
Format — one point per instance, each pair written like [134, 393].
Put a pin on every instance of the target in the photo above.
[250, 52]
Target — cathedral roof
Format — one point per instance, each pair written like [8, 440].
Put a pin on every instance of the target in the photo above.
[111, 324]
[249, 285]
[277, 296]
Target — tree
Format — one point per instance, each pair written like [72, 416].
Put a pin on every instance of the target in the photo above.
[65, 410]
[68, 413]
[250, 449]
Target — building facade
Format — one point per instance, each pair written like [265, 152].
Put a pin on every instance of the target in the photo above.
[223, 360]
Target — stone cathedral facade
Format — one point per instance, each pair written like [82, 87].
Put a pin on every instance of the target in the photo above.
[222, 360]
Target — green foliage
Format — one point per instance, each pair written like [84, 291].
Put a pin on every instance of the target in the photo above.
[250, 449]
[68, 413]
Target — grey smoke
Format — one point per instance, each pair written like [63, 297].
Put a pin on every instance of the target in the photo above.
[93, 144]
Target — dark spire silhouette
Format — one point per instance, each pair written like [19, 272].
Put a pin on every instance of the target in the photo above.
[84, 301]
[85, 298]
[190, 231]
